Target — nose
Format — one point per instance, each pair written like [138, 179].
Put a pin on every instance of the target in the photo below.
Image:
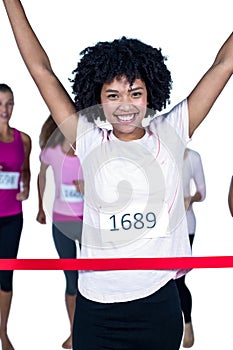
[125, 104]
[3, 108]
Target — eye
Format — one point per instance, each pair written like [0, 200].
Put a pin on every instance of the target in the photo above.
[136, 94]
[112, 96]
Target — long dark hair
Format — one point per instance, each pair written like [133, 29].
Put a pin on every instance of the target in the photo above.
[50, 135]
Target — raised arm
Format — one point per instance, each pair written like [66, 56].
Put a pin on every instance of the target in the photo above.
[210, 86]
[55, 96]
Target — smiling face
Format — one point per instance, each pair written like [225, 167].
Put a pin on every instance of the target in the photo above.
[125, 107]
[6, 106]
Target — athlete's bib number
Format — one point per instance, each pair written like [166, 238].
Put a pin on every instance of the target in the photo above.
[133, 225]
[9, 180]
[126, 227]
[70, 194]
[137, 221]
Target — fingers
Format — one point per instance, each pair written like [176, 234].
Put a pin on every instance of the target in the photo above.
[21, 196]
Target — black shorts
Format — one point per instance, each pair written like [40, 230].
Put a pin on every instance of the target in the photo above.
[151, 323]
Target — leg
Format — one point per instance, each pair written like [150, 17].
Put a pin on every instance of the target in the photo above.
[185, 298]
[10, 232]
[5, 304]
[186, 305]
[70, 306]
[188, 340]
[66, 249]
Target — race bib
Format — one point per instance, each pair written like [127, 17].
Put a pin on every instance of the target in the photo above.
[9, 180]
[132, 225]
[70, 194]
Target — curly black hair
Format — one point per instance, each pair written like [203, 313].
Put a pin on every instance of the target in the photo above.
[131, 58]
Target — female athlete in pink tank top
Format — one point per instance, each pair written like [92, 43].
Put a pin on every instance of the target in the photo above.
[15, 148]
[67, 213]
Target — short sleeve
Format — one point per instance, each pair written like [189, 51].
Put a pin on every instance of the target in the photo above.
[178, 118]
[89, 136]
[46, 156]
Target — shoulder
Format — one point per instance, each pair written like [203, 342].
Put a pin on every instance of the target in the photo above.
[51, 154]
[180, 108]
[194, 155]
[176, 112]
[173, 122]
[90, 135]
[26, 140]
[25, 137]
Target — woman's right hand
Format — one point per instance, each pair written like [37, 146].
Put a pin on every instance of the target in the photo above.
[41, 217]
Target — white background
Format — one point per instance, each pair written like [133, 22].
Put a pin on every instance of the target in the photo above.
[190, 34]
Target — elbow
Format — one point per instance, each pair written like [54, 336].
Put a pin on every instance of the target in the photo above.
[224, 61]
[203, 197]
[200, 196]
[230, 206]
[41, 71]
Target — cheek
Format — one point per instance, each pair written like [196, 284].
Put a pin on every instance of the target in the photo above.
[143, 102]
[108, 110]
[10, 109]
[142, 106]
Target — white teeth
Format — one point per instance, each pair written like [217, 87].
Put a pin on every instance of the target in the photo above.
[126, 117]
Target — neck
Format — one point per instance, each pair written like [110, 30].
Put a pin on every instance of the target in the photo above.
[67, 149]
[6, 133]
[135, 135]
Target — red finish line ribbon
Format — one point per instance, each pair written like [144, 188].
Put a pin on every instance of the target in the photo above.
[118, 264]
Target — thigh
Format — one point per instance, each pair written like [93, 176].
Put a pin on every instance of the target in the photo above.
[159, 322]
[10, 233]
[149, 323]
[65, 246]
[70, 229]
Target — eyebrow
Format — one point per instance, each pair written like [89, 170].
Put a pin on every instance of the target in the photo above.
[8, 101]
[131, 89]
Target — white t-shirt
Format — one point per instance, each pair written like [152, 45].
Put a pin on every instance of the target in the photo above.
[133, 204]
[193, 174]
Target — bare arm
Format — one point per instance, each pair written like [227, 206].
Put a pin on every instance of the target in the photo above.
[52, 91]
[199, 180]
[230, 197]
[25, 176]
[193, 171]
[210, 86]
[41, 183]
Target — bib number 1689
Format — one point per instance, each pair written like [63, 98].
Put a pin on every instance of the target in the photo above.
[137, 221]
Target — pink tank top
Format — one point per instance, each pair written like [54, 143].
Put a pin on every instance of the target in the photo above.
[11, 159]
[68, 204]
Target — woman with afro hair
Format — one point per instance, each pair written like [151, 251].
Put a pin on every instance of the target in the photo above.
[133, 199]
